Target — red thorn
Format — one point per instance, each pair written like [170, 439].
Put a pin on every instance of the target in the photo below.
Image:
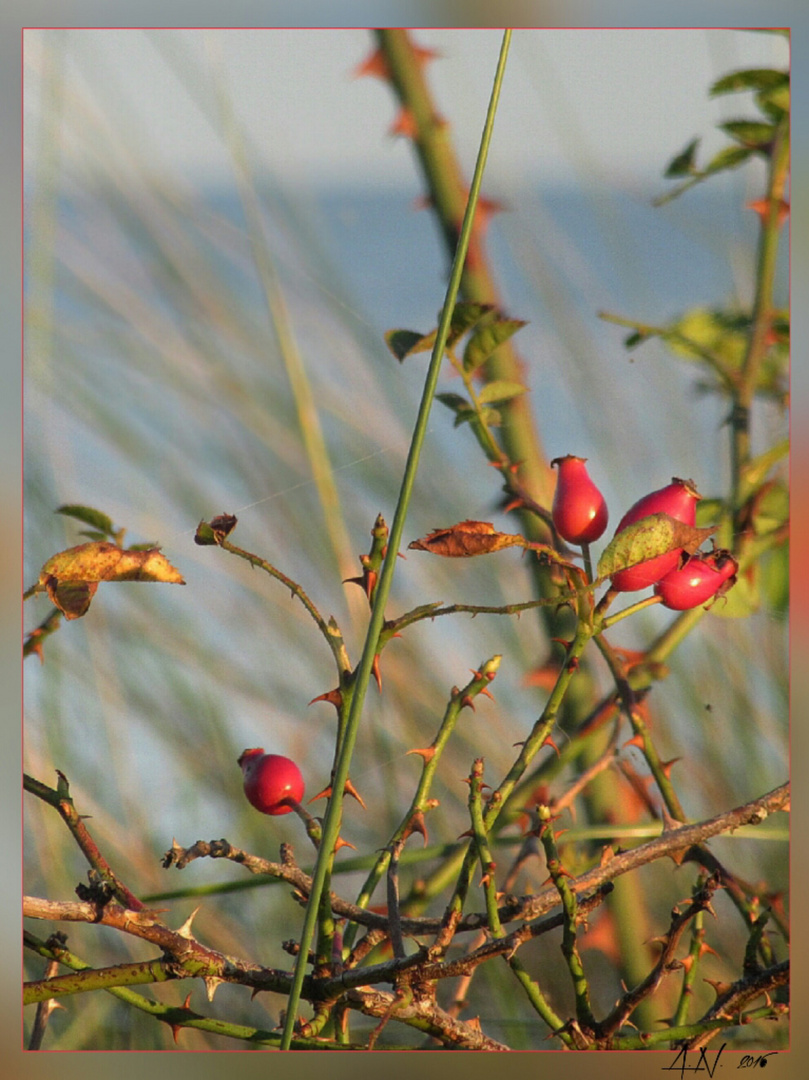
[324, 794]
[487, 692]
[349, 789]
[340, 842]
[374, 64]
[427, 752]
[377, 672]
[667, 766]
[404, 124]
[187, 1003]
[636, 740]
[549, 741]
[467, 702]
[416, 825]
[175, 1030]
[762, 208]
[334, 697]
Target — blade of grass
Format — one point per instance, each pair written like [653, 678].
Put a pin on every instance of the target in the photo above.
[331, 823]
[308, 418]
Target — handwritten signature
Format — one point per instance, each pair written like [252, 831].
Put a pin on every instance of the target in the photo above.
[703, 1063]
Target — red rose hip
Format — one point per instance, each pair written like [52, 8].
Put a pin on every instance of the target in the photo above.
[579, 511]
[699, 580]
[272, 782]
[679, 500]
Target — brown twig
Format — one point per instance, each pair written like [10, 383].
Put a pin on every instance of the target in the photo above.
[60, 799]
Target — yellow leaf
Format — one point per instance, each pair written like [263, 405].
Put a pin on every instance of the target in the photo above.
[71, 577]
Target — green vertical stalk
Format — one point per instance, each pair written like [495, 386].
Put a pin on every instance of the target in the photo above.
[447, 190]
[331, 823]
[766, 260]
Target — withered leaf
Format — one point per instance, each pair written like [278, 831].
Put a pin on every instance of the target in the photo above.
[71, 577]
[465, 539]
[71, 597]
[215, 531]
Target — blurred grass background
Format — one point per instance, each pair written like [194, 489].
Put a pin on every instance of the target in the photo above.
[185, 357]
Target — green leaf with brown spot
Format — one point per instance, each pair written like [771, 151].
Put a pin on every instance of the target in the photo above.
[646, 539]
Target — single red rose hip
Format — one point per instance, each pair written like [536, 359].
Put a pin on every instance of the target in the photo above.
[697, 581]
[579, 511]
[679, 500]
[272, 782]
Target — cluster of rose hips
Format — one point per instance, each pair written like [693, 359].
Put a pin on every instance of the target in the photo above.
[273, 783]
[680, 581]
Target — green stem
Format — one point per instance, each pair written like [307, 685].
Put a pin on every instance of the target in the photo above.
[745, 387]
[447, 191]
[584, 1013]
[328, 629]
[432, 755]
[331, 823]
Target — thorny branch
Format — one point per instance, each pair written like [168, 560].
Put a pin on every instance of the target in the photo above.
[182, 949]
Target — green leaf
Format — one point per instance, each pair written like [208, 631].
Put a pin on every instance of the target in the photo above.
[743, 599]
[647, 538]
[633, 340]
[460, 406]
[465, 315]
[729, 158]
[749, 79]
[771, 508]
[90, 517]
[775, 580]
[755, 471]
[455, 402]
[403, 343]
[683, 164]
[709, 510]
[204, 535]
[486, 339]
[500, 390]
[775, 103]
[752, 133]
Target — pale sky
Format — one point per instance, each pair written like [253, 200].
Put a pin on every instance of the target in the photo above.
[603, 104]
